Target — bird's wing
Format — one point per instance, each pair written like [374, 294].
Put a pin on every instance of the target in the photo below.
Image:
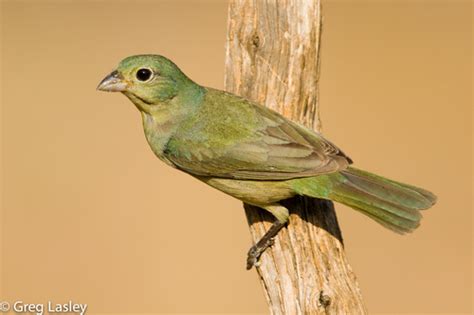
[254, 143]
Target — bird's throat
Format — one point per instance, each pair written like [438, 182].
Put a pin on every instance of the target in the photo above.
[161, 121]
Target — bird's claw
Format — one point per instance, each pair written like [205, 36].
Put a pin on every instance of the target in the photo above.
[256, 251]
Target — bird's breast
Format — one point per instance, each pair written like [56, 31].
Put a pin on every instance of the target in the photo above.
[157, 134]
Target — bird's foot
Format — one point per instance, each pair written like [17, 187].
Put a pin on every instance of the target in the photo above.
[256, 251]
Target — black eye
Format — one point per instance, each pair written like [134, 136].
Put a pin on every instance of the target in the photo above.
[144, 74]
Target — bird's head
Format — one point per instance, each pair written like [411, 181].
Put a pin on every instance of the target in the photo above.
[148, 80]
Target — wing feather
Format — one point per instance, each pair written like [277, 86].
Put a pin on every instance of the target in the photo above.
[252, 143]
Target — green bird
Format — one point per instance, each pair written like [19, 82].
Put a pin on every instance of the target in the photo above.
[252, 152]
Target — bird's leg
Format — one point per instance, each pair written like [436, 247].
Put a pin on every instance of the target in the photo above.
[282, 215]
[265, 242]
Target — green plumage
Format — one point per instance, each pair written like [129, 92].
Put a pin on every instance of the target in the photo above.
[251, 152]
[394, 205]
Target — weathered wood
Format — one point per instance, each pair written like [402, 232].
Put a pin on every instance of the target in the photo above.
[272, 57]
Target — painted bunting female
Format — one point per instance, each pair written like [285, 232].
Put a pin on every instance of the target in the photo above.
[251, 152]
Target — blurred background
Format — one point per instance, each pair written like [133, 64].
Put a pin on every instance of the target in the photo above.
[90, 215]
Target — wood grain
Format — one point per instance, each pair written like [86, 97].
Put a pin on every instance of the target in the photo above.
[272, 57]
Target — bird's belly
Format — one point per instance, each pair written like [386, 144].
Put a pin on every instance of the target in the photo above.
[253, 192]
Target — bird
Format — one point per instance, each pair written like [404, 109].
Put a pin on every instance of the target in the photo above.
[253, 153]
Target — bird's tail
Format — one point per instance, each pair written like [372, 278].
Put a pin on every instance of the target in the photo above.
[394, 205]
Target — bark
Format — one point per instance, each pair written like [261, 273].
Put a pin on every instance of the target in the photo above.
[272, 57]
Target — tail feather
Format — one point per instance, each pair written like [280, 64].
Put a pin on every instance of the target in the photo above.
[392, 223]
[393, 204]
[390, 190]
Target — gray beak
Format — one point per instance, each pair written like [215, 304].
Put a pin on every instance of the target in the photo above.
[114, 82]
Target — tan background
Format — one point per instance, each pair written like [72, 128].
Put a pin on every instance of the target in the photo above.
[89, 214]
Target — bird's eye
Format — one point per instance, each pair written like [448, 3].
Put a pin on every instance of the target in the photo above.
[144, 74]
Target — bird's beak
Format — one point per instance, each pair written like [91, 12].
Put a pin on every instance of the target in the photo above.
[114, 82]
